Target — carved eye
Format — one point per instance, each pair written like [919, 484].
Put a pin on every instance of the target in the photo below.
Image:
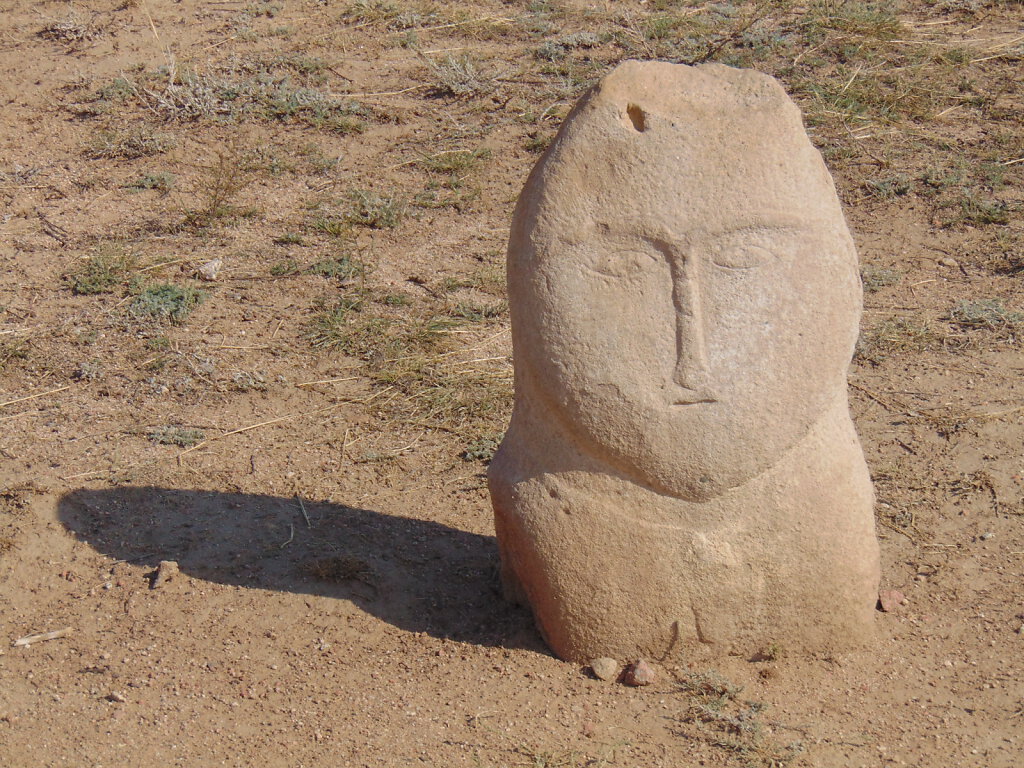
[754, 246]
[741, 256]
[622, 263]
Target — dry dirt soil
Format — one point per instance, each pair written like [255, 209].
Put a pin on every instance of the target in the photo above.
[306, 434]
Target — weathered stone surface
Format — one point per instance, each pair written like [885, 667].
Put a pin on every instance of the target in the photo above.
[681, 465]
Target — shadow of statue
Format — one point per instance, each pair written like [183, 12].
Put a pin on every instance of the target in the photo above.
[417, 575]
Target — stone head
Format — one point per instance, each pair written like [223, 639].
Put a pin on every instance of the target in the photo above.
[684, 289]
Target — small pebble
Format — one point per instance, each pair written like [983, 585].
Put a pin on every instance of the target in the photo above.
[639, 673]
[166, 571]
[986, 536]
[210, 270]
[890, 600]
[605, 668]
[948, 262]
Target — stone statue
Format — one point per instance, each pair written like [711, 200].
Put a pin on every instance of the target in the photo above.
[681, 465]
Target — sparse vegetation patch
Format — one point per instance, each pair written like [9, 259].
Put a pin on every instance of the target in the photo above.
[129, 143]
[875, 278]
[103, 272]
[267, 94]
[412, 353]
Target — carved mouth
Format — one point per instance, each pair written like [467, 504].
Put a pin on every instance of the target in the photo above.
[691, 397]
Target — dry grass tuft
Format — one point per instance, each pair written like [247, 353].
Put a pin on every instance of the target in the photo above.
[717, 715]
[460, 77]
[895, 336]
[72, 30]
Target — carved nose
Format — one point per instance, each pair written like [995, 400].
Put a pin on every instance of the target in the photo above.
[691, 372]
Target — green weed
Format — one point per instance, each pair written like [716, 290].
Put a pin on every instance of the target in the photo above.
[367, 209]
[159, 343]
[449, 194]
[448, 187]
[334, 226]
[977, 210]
[489, 280]
[161, 181]
[538, 141]
[118, 91]
[341, 268]
[483, 449]
[337, 326]
[774, 652]
[262, 159]
[302, 64]
[457, 162]
[12, 349]
[166, 302]
[285, 268]
[941, 177]
[475, 314]
[875, 278]
[888, 187]
[318, 161]
[984, 313]
[1006, 254]
[183, 437]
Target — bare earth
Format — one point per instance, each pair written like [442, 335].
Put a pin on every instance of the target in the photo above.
[306, 435]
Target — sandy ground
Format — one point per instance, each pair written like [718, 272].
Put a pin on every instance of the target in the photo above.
[335, 599]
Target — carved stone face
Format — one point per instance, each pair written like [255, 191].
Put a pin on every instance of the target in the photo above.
[684, 303]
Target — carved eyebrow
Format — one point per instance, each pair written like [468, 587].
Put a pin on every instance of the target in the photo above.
[782, 223]
[657, 236]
